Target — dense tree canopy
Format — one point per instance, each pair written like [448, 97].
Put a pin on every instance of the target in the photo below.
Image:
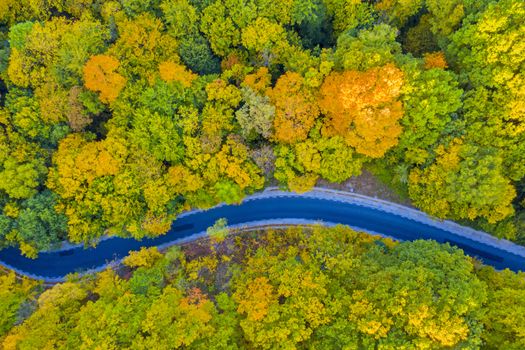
[116, 116]
[362, 107]
[119, 115]
[296, 108]
[299, 288]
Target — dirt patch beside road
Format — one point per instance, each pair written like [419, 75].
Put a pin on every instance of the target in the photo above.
[369, 185]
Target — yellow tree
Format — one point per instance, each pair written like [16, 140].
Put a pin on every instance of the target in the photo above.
[144, 257]
[176, 321]
[363, 108]
[34, 51]
[143, 44]
[262, 34]
[171, 71]
[100, 75]
[296, 108]
[94, 191]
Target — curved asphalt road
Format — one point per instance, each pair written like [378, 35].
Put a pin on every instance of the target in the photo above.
[53, 266]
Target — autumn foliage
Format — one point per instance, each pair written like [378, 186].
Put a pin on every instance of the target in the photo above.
[100, 75]
[117, 116]
[363, 108]
[297, 288]
[296, 108]
[202, 102]
[170, 71]
[435, 60]
[464, 195]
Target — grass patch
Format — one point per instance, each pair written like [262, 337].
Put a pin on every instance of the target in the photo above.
[386, 174]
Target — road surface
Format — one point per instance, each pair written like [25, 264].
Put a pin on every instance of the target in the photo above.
[331, 207]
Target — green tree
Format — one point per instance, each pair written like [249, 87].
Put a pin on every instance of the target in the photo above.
[446, 16]
[219, 231]
[22, 164]
[158, 134]
[487, 51]
[38, 224]
[465, 182]
[13, 294]
[502, 319]
[256, 115]
[398, 12]
[54, 319]
[181, 17]
[18, 34]
[348, 14]
[430, 99]
[82, 40]
[300, 165]
[134, 8]
[196, 53]
[437, 298]
[369, 48]
[221, 22]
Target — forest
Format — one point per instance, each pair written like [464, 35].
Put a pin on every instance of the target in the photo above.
[299, 288]
[115, 116]
[118, 115]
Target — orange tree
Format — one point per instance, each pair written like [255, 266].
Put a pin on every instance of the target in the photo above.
[363, 108]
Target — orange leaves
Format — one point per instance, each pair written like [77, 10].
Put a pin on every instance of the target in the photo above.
[259, 80]
[363, 108]
[296, 108]
[170, 71]
[435, 60]
[229, 61]
[197, 306]
[100, 75]
[256, 299]
[197, 298]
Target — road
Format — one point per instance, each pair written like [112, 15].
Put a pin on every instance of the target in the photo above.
[358, 212]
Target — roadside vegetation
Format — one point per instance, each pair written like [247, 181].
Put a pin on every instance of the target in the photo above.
[300, 288]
